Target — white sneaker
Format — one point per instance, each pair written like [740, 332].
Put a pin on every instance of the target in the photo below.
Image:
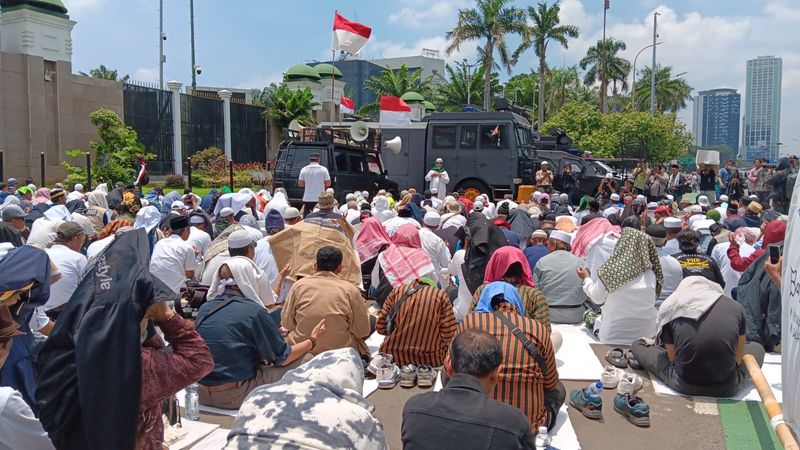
[388, 376]
[611, 376]
[378, 361]
[629, 383]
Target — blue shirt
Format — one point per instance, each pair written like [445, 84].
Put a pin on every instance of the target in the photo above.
[534, 254]
[241, 336]
[723, 174]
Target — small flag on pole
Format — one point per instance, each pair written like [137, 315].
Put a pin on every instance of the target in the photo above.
[349, 36]
[495, 132]
[346, 106]
[608, 4]
[394, 111]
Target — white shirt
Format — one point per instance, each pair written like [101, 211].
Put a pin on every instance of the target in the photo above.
[266, 261]
[673, 275]
[71, 265]
[75, 195]
[96, 247]
[629, 312]
[199, 239]
[436, 248]
[720, 254]
[464, 298]
[19, 428]
[172, 258]
[394, 223]
[314, 176]
[599, 252]
[438, 182]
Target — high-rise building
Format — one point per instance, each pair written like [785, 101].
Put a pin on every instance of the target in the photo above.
[762, 109]
[716, 118]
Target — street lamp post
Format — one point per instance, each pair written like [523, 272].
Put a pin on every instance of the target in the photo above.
[633, 76]
[468, 70]
[191, 26]
[653, 71]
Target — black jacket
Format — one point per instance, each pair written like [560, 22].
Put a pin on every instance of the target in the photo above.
[90, 366]
[461, 416]
[761, 299]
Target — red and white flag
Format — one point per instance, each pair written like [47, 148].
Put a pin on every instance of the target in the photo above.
[349, 36]
[346, 106]
[394, 111]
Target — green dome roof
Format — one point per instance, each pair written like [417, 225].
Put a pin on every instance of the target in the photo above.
[429, 106]
[50, 5]
[301, 71]
[324, 70]
[412, 97]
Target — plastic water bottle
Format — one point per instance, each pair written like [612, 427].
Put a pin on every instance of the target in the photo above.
[542, 441]
[192, 406]
[594, 390]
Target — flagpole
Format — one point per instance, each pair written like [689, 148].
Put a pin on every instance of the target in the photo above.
[333, 84]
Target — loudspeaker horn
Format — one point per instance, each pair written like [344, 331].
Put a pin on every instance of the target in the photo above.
[295, 126]
[359, 131]
[394, 145]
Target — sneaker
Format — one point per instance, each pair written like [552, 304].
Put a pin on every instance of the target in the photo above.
[378, 361]
[408, 376]
[388, 376]
[633, 408]
[590, 407]
[611, 376]
[629, 383]
[426, 376]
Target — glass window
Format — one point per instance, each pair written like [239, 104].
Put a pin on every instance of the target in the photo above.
[468, 137]
[444, 136]
[341, 161]
[576, 168]
[374, 163]
[493, 136]
[355, 161]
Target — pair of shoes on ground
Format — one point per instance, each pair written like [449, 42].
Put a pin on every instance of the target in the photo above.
[621, 358]
[424, 376]
[633, 408]
[625, 382]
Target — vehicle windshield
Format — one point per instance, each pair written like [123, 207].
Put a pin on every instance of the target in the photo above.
[601, 167]
[524, 143]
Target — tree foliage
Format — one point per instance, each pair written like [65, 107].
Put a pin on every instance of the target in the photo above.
[603, 65]
[115, 153]
[452, 95]
[284, 105]
[609, 135]
[671, 93]
[105, 73]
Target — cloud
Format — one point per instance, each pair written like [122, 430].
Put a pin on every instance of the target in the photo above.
[146, 74]
[780, 10]
[260, 81]
[82, 6]
[377, 48]
[427, 14]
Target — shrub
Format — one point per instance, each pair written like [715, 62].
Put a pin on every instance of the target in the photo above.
[175, 180]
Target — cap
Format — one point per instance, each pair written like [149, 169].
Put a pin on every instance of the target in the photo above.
[274, 220]
[326, 201]
[544, 163]
[8, 328]
[672, 223]
[225, 212]
[503, 208]
[477, 206]
[755, 208]
[652, 205]
[196, 219]
[670, 197]
[663, 209]
[539, 234]
[714, 215]
[561, 236]
[179, 222]
[433, 191]
[696, 209]
[178, 204]
[702, 224]
[566, 224]
[702, 201]
[240, 239]
[13, 212]
[657, 233]
[754, 197]
[68, 230]
[432, 219]
[12, 182]
[350, 196]
[78, 187]
[723, 198]
[614, 197]
[291, 213]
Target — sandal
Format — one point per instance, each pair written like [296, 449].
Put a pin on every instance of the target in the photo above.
[616, 358]
[634, 363]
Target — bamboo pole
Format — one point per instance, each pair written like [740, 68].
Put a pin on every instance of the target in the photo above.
[772, 406]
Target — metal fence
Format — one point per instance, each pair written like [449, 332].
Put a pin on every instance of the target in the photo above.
[201, 124]
[248, 133]
[148, 110]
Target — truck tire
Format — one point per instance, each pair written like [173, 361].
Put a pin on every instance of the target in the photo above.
[473, 188]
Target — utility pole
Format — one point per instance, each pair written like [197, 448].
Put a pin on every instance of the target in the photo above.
[161, 38]
[604, 80]
[653, 67]
[191, 26]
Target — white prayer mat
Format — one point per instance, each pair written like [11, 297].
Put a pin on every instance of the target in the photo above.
[772, 372]
[374, 342]
[214, 441]
[195, 431]
[575, 359]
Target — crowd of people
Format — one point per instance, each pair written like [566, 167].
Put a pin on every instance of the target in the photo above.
[160, 291]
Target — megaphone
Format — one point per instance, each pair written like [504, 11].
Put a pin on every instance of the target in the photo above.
[359, 131]
[295, 126]
[394, 145]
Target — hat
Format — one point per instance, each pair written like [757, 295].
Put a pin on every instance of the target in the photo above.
[670, 197]
[561, 236]
[326, 201]
[755, 208]
[609, 176]
[291, 213]
[614, 197]
[432, 219]
[663, 209]
[703, 201]
[365, 194]
[477, 206]
[225, 212]
[350, 196]
[240, 239]
[178, 223]
[503, 208]
[178, 204]
[565, 224]
[658, 233]
[274, 220]
[12, 182]
[652, 205]
[13, 212]
[119, 184]
[714, 215]
[78, 187]
[723, 198]
[68, 230]
[544, 163]
[56, 193]
[672, 223]
[434, 191]
[696, 209]
[330, 191]
[754, 197]
[539, 234]
[196, 219]
[8, 328]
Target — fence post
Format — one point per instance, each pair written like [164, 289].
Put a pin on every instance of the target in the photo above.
[225, 95]
[177, 150]
[189, 167]
[230, 168]
[41, 167]
[88, 172]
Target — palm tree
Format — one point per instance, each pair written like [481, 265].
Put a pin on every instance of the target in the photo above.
[452, 96]
[604, 66]
[394, 83]
[671, 93]
[546, 27]
[104, 73]
[559, 84]
[288, 105]
[491, 22]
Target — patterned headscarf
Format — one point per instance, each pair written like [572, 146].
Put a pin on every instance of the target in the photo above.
[438, 169]
[633, 255]
[404, 260]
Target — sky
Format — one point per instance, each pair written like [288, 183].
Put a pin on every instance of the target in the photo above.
[250, 43]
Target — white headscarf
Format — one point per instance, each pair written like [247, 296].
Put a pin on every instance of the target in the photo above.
[147, 218]
[97, 198]
[58, 212]
[236, 202]
[278, 203]
[251, 280]
[10, 200]
[43, 232]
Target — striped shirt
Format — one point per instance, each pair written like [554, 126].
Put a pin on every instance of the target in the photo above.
[521, 382]
[533, 300]
[423, 326]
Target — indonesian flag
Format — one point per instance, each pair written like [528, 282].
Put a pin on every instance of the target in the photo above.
[142, 175]
[394, 111]
[349, 36]
[346, 106]
[495, 132]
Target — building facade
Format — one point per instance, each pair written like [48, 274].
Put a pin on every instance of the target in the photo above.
[762, 109]
[716, 118]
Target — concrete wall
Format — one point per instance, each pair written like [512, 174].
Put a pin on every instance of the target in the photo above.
[45, 108]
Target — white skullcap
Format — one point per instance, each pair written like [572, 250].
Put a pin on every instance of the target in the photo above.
[329, 190]
[365, 194]
[702, 200]
[240, 239]
[561, 236]
[432, 219]
[701, 224]
[197, 219]
[641, 197]
[754, 197]
[696, 209]
[614, 197]
[434, 191]
[670, 197]
[178, 204]
[723, 198]
[539, 234]
[652, 205]
[225, 212]
[291, 213]
[350, 196]
[672, 223]
[78, 187]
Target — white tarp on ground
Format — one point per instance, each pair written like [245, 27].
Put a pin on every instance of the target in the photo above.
[790, 321]
[575, 359]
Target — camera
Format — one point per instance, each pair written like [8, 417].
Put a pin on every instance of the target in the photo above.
[163, 36]
[198, 70]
